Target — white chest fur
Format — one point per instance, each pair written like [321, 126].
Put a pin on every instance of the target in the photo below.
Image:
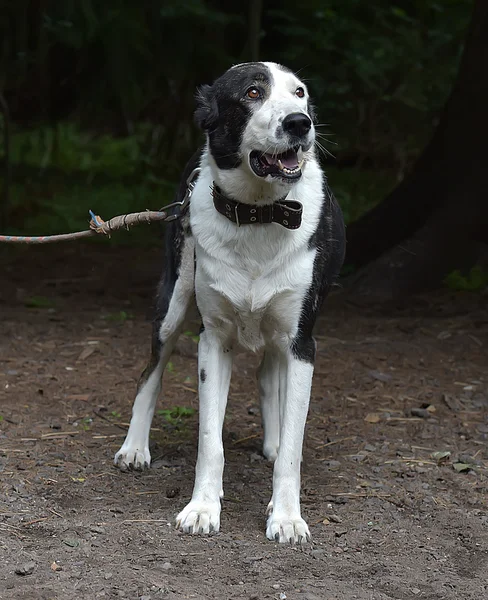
[251, 280]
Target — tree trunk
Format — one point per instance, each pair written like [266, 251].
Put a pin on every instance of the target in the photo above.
[6, 161]
[431, 223]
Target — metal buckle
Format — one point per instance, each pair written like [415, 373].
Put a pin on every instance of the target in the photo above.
[190, 186]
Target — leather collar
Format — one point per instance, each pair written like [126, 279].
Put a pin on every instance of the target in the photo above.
[287, 213]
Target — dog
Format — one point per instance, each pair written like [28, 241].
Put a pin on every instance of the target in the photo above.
[258, 243]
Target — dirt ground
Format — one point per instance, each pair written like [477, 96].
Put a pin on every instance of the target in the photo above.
[395, 460]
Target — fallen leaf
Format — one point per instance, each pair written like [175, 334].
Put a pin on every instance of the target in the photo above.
[56, 567]
[326, 522]
[372, 418]
[462, 467]
[441, 456]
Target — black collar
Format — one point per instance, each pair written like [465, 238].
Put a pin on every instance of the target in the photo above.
[285, 212]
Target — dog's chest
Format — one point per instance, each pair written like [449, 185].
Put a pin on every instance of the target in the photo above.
[256, 287]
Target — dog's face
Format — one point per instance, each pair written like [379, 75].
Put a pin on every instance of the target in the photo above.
[258, 117]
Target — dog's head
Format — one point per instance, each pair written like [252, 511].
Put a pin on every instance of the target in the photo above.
[258, 118]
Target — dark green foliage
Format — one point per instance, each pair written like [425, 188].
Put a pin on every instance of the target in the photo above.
[474, 281]
[101, 94]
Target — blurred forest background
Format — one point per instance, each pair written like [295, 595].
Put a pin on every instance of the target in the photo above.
[97, 97]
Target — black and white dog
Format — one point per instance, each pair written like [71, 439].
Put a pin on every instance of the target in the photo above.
[258, 247]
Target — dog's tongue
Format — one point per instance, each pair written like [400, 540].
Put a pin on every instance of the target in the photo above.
[288, 159]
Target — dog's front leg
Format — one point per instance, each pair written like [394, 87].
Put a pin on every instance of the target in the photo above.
[285, 523]
[202, 514]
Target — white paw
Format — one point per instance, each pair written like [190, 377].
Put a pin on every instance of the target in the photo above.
[287, 530]
[270, 451]
[199, 517]
[133, 457]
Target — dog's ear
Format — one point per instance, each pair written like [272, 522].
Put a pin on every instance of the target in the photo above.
[207, 110]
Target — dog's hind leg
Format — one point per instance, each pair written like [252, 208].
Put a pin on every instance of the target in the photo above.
[269, 385]
[175, 298]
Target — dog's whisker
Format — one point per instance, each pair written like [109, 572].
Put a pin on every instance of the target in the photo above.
[324, 150]
[326, 139]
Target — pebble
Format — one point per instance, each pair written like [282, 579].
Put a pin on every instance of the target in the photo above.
[358, 457]
[420, 412]
[96, 529]
[26, 569]
[166, 566]
[370, 448]
[468, 459]
[332, 465]
[379, 376]
[335, 519]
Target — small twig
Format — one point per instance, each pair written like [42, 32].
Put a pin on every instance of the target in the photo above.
[104, 418]
[45, 436]
[249, 437]
[145, 521]
[35, 521]
[412, 460]
[352, 437]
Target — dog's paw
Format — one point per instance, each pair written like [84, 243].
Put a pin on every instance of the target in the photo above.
[270, 451]
[287, 530]
[132, 458]
[199, 517]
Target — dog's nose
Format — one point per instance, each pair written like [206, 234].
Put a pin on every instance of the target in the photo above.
[297, 124]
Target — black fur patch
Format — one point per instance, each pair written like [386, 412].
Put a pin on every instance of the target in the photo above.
[329, 240]
[223, 109]
[175, 234]
[203, 375]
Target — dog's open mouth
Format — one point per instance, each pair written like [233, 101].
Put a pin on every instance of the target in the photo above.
[287, 165]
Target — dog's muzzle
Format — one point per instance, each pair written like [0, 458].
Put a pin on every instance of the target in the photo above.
[286, 165]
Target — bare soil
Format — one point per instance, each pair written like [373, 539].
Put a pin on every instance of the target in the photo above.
[390, 518]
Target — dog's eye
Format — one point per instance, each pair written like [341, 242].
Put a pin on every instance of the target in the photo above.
[253, 93]
[300, 92]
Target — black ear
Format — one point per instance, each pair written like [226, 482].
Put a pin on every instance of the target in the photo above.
[207, 111]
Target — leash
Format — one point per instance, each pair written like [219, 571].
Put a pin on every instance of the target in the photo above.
[99, 226]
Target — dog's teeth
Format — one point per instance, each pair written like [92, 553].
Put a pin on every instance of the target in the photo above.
[280, 165]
